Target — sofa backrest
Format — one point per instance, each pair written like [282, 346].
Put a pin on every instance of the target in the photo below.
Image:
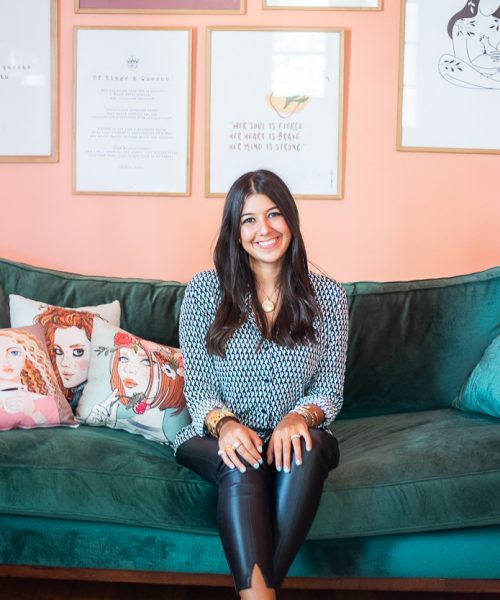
[411, 344]
[150, 308]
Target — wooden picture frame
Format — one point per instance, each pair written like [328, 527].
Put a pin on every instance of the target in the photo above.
[322, 4]
[132, 110]
[275, 101]
[449, 80]
[29, 119]
[161, 6]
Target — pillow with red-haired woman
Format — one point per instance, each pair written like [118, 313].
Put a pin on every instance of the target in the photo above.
[29, 394]
[67, 334]
[134, 385]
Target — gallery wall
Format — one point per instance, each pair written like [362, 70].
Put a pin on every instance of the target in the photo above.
[404, 215]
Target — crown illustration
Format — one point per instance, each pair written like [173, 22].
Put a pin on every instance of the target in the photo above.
[132, 62]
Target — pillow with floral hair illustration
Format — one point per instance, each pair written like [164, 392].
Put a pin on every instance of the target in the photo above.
[67, 334]
[134, 385]
[29, 394]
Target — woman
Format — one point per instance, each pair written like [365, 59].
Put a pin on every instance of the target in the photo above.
[264, 344]
[146, 380]
[27, 388]
[475, 33]
[68, 334]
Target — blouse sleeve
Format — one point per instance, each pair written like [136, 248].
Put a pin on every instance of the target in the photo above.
[327, 385]
[201, 387]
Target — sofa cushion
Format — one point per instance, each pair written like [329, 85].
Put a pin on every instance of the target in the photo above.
[481, 391]
[134, 385]
[400, 473]
[29, 391]
[67, 333]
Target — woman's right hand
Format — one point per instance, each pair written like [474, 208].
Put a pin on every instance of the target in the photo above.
[236, 442]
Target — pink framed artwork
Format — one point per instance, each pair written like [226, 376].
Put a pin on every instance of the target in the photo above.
[160, 6]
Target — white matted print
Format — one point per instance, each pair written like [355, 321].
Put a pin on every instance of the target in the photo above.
[325, 4]
[28, 81]
[450, 76]
[275, 101]
[132, 111]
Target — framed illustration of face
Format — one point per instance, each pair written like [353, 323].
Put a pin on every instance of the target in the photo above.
[449, 76]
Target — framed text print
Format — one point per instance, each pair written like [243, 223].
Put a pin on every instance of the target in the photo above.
[275, 101]
[132, 111]
[325, 4]
[28, 81]
[449, 94]
[160, 6]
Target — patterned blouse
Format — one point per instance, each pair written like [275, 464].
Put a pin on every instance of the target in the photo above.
[261, 387]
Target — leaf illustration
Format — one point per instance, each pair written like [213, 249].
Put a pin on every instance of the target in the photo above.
[298, 99]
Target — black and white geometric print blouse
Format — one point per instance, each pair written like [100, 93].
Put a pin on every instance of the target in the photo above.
[260, 387]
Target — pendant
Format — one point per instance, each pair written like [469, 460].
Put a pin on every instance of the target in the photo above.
[268, 306]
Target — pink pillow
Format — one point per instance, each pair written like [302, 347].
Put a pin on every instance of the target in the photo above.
[29, 394]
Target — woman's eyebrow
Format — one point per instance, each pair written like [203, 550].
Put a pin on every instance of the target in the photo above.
[267, 210]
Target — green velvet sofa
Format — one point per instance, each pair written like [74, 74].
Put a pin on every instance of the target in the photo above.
[414, 503]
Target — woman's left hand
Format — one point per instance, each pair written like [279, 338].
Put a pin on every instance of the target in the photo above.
[286, 437]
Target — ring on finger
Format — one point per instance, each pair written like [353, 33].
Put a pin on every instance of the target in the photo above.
[236, 445]
[295, 436]
[227, 448]
[220, 452]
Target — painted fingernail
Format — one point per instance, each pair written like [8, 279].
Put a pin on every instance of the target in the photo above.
[287, 469]
[298, 462]
[242, 469]
[261, 461]
[278, 468]
[260, 448]
[308, 448]
[256, 466]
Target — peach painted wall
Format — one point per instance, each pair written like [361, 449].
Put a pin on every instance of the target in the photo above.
[405, 215]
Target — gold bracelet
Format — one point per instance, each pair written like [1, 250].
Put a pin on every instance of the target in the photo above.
[303, 412]
[309, 414]
[214, 416]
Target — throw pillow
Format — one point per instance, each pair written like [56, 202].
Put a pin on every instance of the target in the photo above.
[67, 334]
[481, 391]
[29, 394]
[134, 385]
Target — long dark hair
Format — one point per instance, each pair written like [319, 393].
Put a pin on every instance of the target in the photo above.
[294, 322]
[470, 10]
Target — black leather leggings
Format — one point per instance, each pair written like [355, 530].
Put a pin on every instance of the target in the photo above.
[263, 515]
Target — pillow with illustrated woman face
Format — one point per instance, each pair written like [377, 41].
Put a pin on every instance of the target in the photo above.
[29, 393]
[134, 385]
[67, 333]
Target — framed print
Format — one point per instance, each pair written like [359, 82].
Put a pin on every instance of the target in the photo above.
[161, 6]
[132, 111]
[449, 91]
[275, 101]
[28, 81]
[325, 4]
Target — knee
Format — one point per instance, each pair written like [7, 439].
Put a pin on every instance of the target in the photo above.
[324, 449]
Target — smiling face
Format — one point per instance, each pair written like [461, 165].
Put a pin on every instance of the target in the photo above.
[12, 359]
[134, 369]
[264, 233]
[71, 347]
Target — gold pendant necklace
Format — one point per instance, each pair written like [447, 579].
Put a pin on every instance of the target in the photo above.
[268, 306]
